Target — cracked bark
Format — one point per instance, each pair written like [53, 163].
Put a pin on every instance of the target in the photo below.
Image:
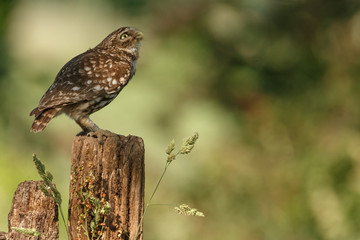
[32, 209]
[114, 172]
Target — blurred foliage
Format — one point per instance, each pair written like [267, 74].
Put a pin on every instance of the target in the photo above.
[5, 9]
[271, 86]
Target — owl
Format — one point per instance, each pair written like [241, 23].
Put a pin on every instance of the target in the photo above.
[90, 81]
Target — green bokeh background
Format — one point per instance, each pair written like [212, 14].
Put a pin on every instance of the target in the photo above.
[272, 87]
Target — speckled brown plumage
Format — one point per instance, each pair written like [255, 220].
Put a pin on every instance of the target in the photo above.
[91, 80]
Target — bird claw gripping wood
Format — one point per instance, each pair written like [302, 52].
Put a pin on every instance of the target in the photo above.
[101, 135]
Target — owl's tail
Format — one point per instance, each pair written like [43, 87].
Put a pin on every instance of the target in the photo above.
[42, 118]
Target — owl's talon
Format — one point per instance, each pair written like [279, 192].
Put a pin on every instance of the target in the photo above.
[101, 135]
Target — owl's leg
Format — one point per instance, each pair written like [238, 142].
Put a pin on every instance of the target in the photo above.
[93, 130]
[87, 125]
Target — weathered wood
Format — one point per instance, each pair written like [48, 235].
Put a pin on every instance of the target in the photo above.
[32, 209]
[109, 172]
[3, 235]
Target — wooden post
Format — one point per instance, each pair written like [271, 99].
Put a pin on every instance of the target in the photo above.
[33, 210]
[110, 173]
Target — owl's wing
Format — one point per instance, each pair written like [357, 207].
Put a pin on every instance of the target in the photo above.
[86, 77]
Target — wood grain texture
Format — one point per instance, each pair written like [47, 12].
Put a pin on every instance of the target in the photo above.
[32, 209]
[113, 172]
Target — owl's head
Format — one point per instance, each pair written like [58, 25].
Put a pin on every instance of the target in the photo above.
[125, 38]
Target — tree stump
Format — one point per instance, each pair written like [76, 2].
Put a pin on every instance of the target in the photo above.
[106, 188]
[33, 210]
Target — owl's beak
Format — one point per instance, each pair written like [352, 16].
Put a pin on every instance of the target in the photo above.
[139, 36]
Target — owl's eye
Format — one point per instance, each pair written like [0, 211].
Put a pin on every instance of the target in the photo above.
[123, 36]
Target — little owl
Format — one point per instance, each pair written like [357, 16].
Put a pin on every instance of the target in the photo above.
[90, 81]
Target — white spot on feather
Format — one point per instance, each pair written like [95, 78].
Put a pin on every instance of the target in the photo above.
[86, 68]
[89, 81]
[114, 82]
[109, 79]
[97, 88]
[122, 80]
[75, 88]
